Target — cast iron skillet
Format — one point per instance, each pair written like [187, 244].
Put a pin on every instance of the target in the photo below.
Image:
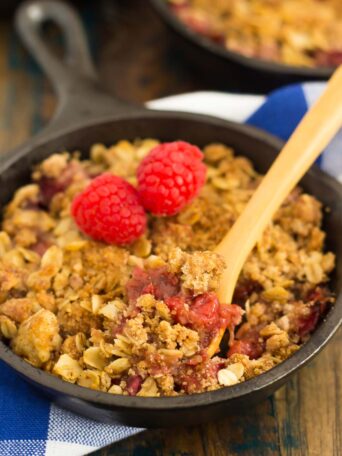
[225, 67]
[87, 115]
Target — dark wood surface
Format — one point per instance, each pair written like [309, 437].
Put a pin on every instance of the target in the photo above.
[137, 60]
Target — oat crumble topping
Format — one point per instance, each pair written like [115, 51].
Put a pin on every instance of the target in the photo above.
[137, 320]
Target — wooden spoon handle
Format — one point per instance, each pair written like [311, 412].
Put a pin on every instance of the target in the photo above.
[311, 136]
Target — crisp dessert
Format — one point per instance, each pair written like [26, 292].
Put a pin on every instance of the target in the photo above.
[294, 32]
[135, 315]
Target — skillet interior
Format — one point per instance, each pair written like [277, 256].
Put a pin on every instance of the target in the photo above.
[261, 148]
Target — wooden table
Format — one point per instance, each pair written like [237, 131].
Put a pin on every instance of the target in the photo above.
[304, 417]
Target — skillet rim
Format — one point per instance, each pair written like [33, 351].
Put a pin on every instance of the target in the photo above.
[276, 375]
[260, 65]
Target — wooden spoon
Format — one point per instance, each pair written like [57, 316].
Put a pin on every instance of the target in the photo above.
[309, 139]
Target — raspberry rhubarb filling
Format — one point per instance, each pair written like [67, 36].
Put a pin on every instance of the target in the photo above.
[175, 328]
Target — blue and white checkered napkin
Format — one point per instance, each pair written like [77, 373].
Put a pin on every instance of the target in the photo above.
[30, 425]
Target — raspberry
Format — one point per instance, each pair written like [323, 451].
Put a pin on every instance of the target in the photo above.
[170, 177]
[108, 210]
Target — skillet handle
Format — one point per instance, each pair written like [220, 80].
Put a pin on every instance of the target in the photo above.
[81, 98]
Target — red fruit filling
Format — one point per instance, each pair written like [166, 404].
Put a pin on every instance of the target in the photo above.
[243, 290]
[197, 22]
[190, 378]
[41, 246]
[329, 58]
[133, 384]
[49, 187]
[320, 297]
[247, 344]
[158, 282]
[307, 324]
[203, 313]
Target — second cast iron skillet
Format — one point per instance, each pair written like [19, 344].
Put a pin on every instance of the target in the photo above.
[87, 115]
[229, 69]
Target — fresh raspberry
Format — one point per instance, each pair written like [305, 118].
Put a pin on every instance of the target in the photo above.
[109, 210]
[170, 177]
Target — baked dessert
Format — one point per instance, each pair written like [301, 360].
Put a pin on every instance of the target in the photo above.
[293, 32]
[137, 318]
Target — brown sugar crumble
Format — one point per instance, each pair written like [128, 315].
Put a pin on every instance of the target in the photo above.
[137, 320]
